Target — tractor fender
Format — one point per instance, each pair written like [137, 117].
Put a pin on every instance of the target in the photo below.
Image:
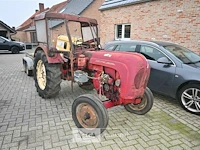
[132, 67]
[52, 60]
[29, 62]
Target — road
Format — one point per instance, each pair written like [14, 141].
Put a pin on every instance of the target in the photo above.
[28, 122]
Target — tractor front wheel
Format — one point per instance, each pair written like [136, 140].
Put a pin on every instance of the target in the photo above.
[47, 76]
[144, 106]
[89, 114]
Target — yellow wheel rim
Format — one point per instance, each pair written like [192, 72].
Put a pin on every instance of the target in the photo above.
[41, 74]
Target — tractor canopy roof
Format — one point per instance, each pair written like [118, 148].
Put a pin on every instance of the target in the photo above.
[68, 17]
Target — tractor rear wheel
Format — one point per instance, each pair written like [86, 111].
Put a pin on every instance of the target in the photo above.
[47, 76]
[89, 114]
[144, 106]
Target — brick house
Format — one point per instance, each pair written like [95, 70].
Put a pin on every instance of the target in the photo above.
[169, 20]
[26, 31]
[5, 30]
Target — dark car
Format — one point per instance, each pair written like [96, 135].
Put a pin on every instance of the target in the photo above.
[175, 70]
[13, 46]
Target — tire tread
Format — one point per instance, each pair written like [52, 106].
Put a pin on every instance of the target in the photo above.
[53, 76]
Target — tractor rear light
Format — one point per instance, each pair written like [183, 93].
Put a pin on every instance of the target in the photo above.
[117, 82]
[82, 61]
[138, 78]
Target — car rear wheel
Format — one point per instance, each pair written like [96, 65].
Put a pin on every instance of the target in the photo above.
[15, 50]
[189, 98]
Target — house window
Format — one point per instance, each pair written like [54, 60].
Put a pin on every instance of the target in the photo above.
[122, 32]
[33, 37]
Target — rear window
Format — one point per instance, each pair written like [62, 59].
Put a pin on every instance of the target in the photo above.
[127, 47]
[110, 47]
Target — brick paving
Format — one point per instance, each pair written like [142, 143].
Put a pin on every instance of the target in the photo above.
[28, 122]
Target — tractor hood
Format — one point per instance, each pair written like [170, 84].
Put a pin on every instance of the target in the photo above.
[133, 69]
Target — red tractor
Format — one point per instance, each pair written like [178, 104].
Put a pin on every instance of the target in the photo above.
[120, 77]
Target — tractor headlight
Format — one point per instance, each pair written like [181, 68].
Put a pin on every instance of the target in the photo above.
[117, 82]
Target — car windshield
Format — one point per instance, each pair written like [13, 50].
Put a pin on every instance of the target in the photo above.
[185, 55]
[5, 39]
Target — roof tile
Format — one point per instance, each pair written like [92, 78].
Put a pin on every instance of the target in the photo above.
[77, 6]
[7, 27]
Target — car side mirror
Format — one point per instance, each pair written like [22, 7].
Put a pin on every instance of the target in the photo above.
[4, 41]
[164, 60]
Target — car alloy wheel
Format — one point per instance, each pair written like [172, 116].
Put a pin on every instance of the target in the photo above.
[190, 99]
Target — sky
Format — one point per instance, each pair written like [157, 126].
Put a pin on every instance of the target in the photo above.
[15, 12]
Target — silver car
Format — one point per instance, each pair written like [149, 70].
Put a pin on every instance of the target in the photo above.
[175, 70]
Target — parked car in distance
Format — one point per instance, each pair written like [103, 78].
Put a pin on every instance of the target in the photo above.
[175, 70]
[13, 46]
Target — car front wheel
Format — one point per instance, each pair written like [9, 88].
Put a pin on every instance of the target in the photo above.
[15, 50]
[189, 98]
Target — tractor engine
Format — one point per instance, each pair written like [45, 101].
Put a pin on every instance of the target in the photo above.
[105, 85]
[102, 82]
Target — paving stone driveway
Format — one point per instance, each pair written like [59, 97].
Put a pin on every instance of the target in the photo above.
[32, 123]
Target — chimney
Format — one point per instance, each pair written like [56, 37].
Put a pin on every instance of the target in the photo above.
[13, 28]
[36, 10]
[41, 7]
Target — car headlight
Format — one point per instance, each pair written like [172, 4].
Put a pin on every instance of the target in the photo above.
[21, 44]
